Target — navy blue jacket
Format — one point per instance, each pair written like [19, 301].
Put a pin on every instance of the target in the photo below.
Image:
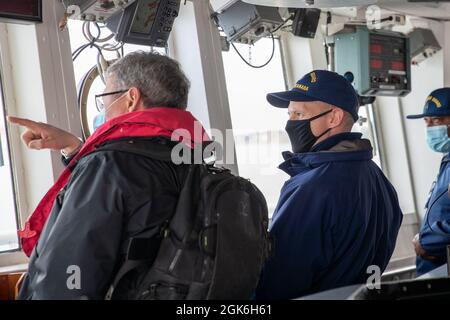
[337, 215]
[434, 240]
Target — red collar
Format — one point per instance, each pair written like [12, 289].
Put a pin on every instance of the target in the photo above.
[177, 124]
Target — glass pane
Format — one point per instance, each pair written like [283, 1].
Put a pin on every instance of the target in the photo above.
[8, 213]
[258, 127]
[366, 126]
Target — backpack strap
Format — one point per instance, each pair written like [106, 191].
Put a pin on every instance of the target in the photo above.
[141, 251]
[161, 147]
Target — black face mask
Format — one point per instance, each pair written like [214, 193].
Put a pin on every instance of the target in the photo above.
[300, 134]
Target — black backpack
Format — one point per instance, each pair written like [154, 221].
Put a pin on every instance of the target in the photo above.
[214, 246]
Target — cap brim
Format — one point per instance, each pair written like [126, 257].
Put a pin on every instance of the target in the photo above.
[282, 99]
[416, 116]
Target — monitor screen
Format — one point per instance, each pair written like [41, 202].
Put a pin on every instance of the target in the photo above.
[145, 16]
[145, 22]
[21, 9]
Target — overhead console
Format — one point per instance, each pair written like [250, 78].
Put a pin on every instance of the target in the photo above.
[378, 63]
[141, 22]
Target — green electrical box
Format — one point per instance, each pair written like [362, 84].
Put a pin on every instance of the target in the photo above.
[377, 62]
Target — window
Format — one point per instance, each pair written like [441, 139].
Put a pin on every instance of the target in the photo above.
[88, 59]
[366, 126]
[258, 127]
[8, 212]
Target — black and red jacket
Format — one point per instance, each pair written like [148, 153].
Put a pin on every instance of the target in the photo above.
[103, 199]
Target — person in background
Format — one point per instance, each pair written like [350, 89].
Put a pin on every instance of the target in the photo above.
[431, 242]
[337, 214]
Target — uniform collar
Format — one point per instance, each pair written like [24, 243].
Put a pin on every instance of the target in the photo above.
[343, 151]
[334, 140]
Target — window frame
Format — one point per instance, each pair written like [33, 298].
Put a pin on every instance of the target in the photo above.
[373, 127]
[15, 256]
[8, 155]
[48, 74]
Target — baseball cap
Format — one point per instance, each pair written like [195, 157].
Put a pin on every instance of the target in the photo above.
[320, 85]
[436, 105]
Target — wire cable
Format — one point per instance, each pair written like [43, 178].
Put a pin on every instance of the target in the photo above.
[90, 44]
[97, 42]
[291, 17]
[113, 46]
[78, 51]
[88, 35]
[281, 26]
[260, 66]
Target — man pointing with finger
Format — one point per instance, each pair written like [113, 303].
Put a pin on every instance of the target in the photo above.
[101, 201]
[44, 136]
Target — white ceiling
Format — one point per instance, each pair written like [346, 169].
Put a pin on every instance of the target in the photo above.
[317, 3]
[432, 10]
[428, 10]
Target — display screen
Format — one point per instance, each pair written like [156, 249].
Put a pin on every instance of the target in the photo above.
[145, 16]
[21, 9]
[398, 66]
[376, 48]
[376, 64]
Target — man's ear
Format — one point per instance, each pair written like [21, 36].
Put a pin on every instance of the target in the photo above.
[134, 99]
[337, 117]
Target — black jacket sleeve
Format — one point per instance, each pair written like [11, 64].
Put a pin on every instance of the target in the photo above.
[81, 245]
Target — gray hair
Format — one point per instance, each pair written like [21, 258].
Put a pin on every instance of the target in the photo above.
[348, 121]
[159, 78]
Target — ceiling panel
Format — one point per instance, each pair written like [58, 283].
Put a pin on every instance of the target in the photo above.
[428, 10]
[317, 3]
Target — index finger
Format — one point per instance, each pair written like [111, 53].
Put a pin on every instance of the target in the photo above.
[30, 124]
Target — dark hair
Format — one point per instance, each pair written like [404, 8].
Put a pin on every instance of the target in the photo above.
[159, 78]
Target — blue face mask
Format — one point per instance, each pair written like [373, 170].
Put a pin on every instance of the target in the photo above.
[438, 139]
[99, 120]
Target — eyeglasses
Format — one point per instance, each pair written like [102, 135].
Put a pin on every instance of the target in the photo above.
[99, 99]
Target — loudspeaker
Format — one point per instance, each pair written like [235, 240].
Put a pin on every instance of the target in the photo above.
[306, 21]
